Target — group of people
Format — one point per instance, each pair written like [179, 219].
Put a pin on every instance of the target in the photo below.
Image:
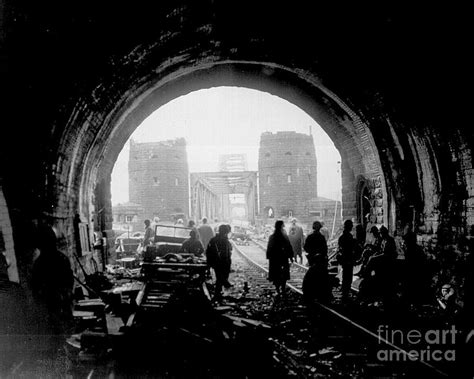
[284, 248]
[373, 249]
[297, 239]
[383, 276]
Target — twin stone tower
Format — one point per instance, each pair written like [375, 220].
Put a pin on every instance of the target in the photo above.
[287, 172]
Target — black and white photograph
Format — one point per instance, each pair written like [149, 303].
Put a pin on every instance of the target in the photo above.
[235, 189]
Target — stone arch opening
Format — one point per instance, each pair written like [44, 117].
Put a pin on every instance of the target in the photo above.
[88, 179]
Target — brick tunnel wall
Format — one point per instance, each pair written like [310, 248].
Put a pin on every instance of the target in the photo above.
[6, 239]
[95, 80]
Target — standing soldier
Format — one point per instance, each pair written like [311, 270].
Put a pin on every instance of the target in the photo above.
[52, 281]
[148, 234]
[218, 255]
[192, 245]
[192, 225]
[316, 284]
[324, 231]
[347, 246]
[279, 255]
[205, 232]
[296, 238]
[315, 244]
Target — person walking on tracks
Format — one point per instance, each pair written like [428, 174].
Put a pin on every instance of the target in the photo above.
[347, 246]
[279, 253]
[296, 237]
[315, 244]
[316, 282]
[218, 255]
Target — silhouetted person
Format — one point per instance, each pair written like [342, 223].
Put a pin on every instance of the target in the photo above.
[347, 246]
[279, 254]
[192, 225]
[52, 280]
[388, 246]
[324, 231]
[380, 272]
[218, 254]
[413, 280]
[149, 234]
[370, 250]
[316, 284]
[205, 232]
[192, 245]
[315, 243]
[296, 237]
[447, 301]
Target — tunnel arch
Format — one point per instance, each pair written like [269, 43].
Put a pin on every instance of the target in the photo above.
[369, 136]
[349, 133]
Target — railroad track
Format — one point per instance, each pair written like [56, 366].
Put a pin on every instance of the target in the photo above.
[358, 344]
[297, 270]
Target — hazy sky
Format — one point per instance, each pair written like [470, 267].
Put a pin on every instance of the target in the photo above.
[227, 120]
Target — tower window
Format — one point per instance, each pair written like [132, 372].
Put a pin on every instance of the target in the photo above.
[288, 178]
[156, 182]
[268, 179]
[308, 153]
[267, 155]
[176, 181]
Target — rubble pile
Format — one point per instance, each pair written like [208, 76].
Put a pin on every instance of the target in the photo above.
[248, 332]
[298, 339]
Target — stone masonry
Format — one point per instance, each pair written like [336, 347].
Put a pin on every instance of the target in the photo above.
[287, 171]
[159, 178]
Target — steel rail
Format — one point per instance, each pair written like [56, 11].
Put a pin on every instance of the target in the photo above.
[330, 256]
[353, 324]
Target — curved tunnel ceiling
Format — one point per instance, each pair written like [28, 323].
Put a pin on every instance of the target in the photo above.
[347, 68]
[339, 122]
[349, 134]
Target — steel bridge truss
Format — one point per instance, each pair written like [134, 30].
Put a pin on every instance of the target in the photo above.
[210, 194]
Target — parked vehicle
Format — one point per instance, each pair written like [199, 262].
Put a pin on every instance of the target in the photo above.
[168, 240]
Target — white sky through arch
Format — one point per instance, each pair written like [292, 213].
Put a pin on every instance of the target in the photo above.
[229, 120]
